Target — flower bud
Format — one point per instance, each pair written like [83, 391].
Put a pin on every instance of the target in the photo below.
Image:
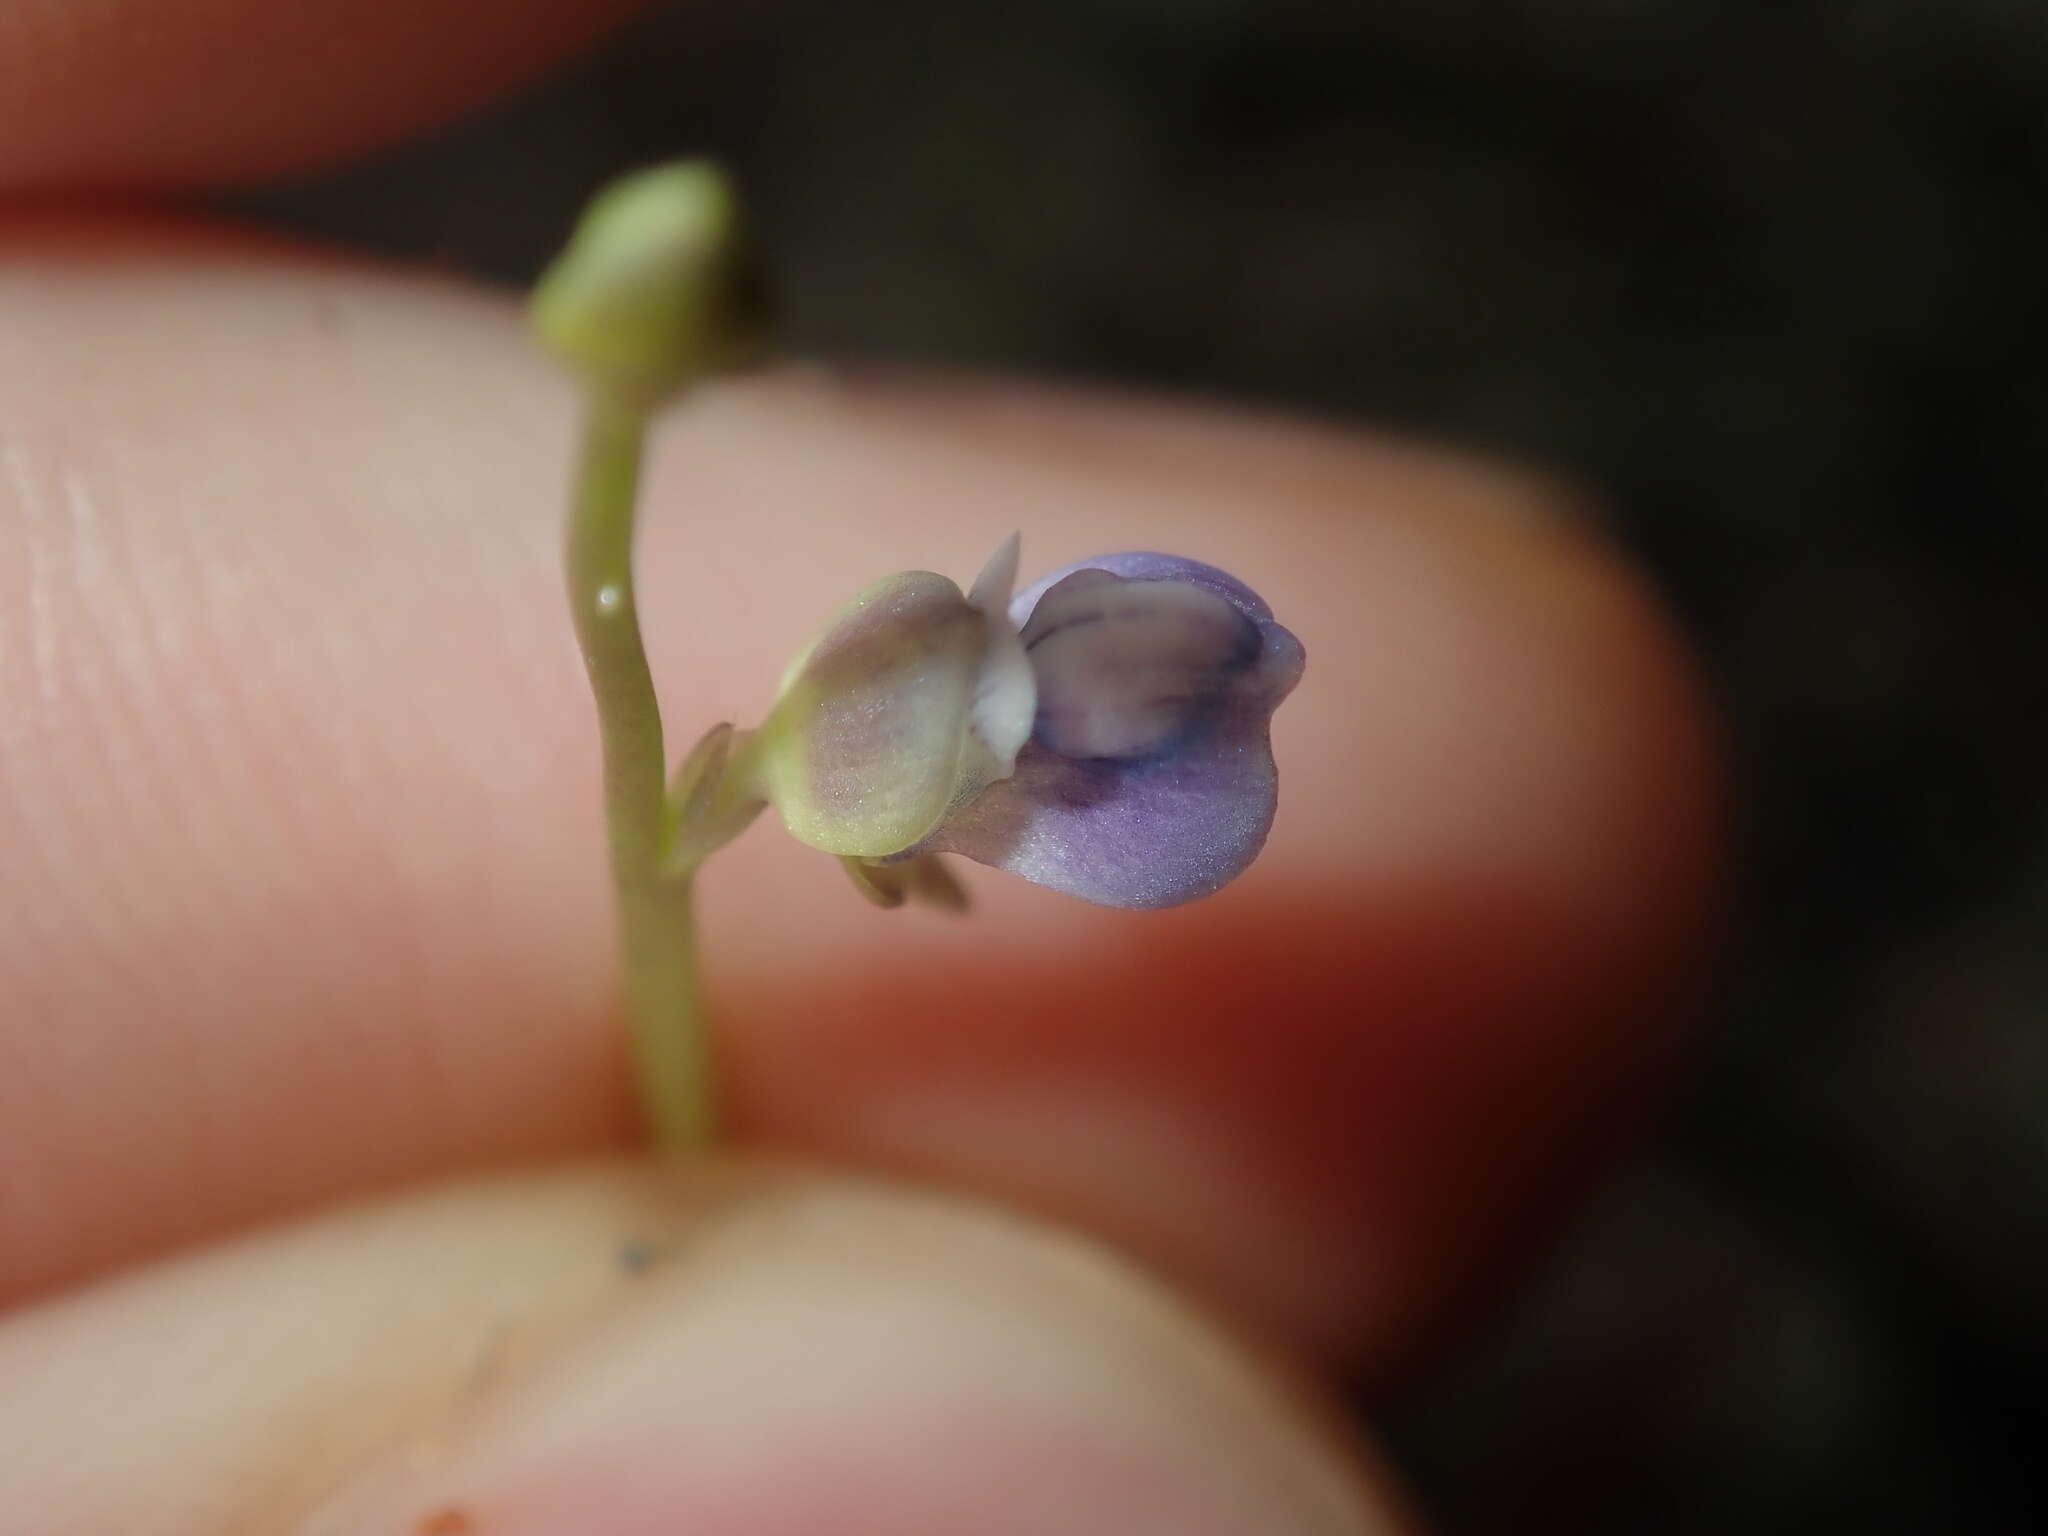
[656, 287]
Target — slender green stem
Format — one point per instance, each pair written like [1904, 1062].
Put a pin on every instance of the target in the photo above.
[671, 1050]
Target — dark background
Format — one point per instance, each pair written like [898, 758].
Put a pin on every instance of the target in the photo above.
[1772, 276]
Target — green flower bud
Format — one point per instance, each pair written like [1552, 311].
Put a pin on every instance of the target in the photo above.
[656, 288]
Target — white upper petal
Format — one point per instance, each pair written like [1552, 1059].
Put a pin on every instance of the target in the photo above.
[1005, 691]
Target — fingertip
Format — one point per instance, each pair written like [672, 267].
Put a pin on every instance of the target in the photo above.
[874, 1364]
[290, 534]
[148, 93]
[619, 1348]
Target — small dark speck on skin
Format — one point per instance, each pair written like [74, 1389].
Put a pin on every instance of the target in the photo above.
[448, 1520]
[328, 318]
[637, 1256]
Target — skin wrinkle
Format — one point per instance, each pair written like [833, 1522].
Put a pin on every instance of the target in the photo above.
[42, 646]
[160, 614]
[66, 574]
[149, 615]
[127, 637]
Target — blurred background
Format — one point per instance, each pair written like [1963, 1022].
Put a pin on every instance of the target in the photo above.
[1771, 276]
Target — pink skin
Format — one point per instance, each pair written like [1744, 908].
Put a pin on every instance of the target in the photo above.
[921, 1473]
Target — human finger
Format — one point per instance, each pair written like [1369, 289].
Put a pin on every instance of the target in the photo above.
[627, 1349]
[305, 889]
[148, 93]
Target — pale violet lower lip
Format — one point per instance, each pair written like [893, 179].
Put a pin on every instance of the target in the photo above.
[1148, 829]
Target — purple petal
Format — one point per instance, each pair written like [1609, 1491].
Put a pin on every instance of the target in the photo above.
[1182, 798]
[1146, 565]
[1124, 668]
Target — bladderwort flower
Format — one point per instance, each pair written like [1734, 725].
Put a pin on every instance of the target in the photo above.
[1104, 733]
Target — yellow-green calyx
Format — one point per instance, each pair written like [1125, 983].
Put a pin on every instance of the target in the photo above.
[914, 698]
[656, 288]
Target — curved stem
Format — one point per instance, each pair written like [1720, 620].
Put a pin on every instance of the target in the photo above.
[671, 1051]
